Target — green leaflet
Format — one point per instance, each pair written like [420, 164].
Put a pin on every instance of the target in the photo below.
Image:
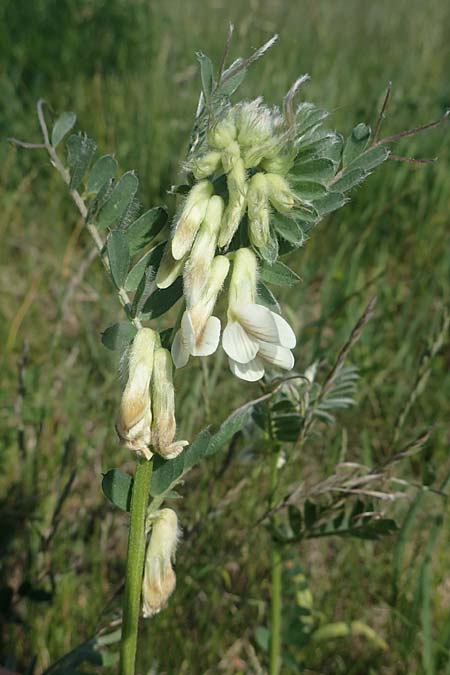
[161, 300]
[278, 274]
[118, 336]
[103, 171]
[80, 150]
[118, 256]
[64, 123]
[145, 228]
[117, 486]
[118, 201]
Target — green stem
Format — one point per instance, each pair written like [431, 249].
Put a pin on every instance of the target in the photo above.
[135, 566]
[276, 564]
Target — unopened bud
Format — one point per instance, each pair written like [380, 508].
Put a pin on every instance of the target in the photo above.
[190, 219]
[206, 165]
[281, 164]
[169, 269]
[258, 211]
[280, 194]
[230, 155]
[254, 123]
[237, 192]
[197, 268]
[222, 133]
[243, 279]
[159, 577]
[163, 407]
[135, 417]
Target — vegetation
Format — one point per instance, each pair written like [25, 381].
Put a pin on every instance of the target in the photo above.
[350, 604]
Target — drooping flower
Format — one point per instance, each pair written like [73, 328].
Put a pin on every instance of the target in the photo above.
[198, 265]
[135, 414]
[190, 219]
[169, 269]
[258, 211]
[159, 577]
[237, 194]
[254, 335]
[199, 334]
[163, 407]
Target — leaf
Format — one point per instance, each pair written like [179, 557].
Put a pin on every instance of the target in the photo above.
[286, 428]
[310, 514]
[356, 143]
[119, 256]
[295, 519]
[371, 158]
[118, 201]
[332, 202]
[162, 299]
[145, 228]
[117, 486]
[148, 264]
[101, 173]
[80, 150]
[118, 336]
[167, 472]
[230, 82]
[64, 123]
[206, 72]
[262, 637]
[289, 229]
[266, 297]
[348, 180]
[279, 274]
[321, 169]
[308, 189]
[322, 144]
[308, 117]
[270, 252]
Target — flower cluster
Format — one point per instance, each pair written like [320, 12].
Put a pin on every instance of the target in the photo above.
[249, 147]
[146, 418]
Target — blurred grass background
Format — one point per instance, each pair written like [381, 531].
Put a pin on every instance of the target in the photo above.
[129, 71]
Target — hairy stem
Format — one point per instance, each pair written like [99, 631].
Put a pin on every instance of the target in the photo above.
[135, 566]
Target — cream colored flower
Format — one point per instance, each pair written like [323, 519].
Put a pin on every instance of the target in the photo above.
[163, 407]
[135, 415]
[254, 335]
[159, 578]
[190, 219]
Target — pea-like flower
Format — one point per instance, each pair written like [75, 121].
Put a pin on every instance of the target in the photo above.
[199, 334]
[190, 219]
[163, 407]
[159, 577]
[254, 334]
[135, 414]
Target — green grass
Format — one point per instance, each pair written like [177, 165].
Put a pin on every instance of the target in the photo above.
[129, 71]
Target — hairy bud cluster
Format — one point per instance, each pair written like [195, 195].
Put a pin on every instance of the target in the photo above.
[146, 417]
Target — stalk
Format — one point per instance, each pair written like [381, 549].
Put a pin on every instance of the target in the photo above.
[276, 562]
[135, 566]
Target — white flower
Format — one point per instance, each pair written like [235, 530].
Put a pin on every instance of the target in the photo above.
[135, 415]
[254, 334]
[190, 219]
[163, 407]
[199, 334]
[159, 578]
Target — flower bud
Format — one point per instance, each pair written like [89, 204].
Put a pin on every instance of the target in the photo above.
[280, 194]
[237, 191]
[199, 334]
[243, 279]
[281, 164]
[206, 165]
[222, 133]
[159, 577]
[200, 260]
[169, 268]
[163, 407]
[134, 418]
[258, 211]
[191, 217]
[254, 123]
[230, 155]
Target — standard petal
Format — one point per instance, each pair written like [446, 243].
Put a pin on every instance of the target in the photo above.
[237, 344]
[281, 357]
[258, 322]
[251, 371]
[188, 333]
[210, 338]
[180, 354]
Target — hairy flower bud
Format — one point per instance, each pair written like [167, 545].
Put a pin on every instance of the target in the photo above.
[258, 210]
[237, 192]
[243, 279]
[230, 156]
[200, 260]
[199, 334]
[222, 133]
[169, 269]
[134, 418]
[206, 165]
[280, 194]
[190, 219]
[280, 163]
[159, 577]
[163, 407]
